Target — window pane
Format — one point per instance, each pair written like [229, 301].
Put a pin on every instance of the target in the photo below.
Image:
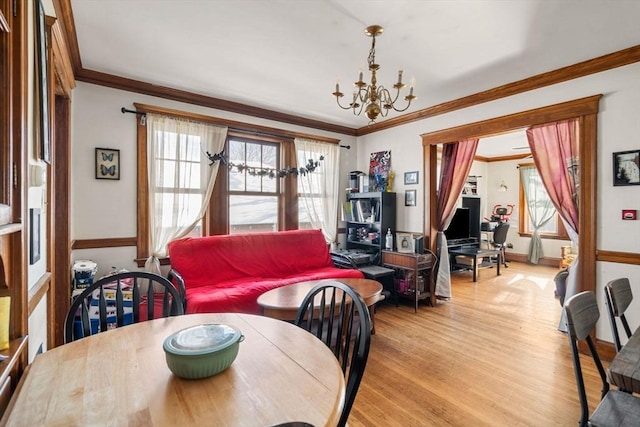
[171, 217]
[304, 221]
[538, 199]
[253, 214]
[236, 156]
[190, 149]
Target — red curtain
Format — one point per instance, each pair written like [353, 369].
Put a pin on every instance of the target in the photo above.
[554, 147]
[457, 159]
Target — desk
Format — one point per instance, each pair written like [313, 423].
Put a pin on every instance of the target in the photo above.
[416, 264]
[283, 303]
[475, 253]
[624, 370]
[120, 377]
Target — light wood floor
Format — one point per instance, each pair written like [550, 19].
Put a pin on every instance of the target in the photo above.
[491, 356]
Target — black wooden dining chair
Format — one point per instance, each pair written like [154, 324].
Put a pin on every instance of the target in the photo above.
[337, 315]
[616, 408]
[121, 299]
[618, 297]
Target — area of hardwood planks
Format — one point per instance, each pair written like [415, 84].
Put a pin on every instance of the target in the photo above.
[491, 356]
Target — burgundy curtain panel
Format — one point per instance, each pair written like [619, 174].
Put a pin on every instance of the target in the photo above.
[457, 159]
[554, 147]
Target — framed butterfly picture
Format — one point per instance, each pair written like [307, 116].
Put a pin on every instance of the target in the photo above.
[107, 163]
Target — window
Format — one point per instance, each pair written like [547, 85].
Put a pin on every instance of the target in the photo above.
[181, 181]
[535, 199]
[242, 199]
[310, 197]
[253, 189]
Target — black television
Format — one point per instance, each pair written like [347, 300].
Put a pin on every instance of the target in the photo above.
[460, 225]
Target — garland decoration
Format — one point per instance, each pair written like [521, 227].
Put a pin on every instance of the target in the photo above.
[311, 166]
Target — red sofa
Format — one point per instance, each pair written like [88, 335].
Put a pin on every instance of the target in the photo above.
[228, 273]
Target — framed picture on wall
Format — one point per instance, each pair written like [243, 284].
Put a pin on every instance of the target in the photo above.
[411, 178]
[42, 85]
[626, 168]
[107, 163]
[410, 198]
[34, 235]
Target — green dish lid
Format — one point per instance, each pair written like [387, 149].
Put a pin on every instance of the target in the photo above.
[202, 339]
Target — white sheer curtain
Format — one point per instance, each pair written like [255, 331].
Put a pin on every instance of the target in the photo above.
[180, 177]
[319, 192]
[539, 206]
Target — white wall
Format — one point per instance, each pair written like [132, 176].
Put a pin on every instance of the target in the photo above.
[107, 208]
[36, 196]
[618, 130]
[508, 172]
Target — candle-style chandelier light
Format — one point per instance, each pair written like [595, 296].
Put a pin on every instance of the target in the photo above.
[373, 99]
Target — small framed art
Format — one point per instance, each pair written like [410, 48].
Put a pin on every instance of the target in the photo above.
[626, 168]
[410, 198]
[34, 235]
[42, 85]
[411, 178]
[107, 163]
[405, 242]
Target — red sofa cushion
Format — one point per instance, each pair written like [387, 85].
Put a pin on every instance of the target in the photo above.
[228, 273]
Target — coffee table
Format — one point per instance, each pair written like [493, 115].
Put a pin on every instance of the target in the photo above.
[476, 253]
[283, 303]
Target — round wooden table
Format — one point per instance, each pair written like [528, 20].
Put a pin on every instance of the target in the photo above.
[283, 303]
[120, 377]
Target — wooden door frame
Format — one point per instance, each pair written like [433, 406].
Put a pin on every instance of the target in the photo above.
[586, 111]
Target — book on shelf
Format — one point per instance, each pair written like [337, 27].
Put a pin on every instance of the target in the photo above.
[363, 210]
[348, 211]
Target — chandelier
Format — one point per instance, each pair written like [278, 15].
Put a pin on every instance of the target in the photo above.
[374, 100]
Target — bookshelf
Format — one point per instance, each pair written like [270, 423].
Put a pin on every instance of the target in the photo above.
[368, 217]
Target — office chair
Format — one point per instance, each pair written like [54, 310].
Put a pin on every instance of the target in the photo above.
[121, 299]
[618, 297]
[339, 317]
[616, 408]
[499, 239]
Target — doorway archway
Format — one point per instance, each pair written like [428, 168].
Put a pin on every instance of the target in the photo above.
[586, 111]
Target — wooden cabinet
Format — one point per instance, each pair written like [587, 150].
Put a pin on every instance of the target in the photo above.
[368, 217]
[417, 269]
[14, 52]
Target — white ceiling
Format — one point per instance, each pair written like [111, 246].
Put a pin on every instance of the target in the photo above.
[285, 55]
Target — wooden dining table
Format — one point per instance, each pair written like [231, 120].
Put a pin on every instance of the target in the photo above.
[120, 378]
[624, 370]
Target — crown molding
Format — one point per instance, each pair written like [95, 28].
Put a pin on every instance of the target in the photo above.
[64, 13]
[581, 69]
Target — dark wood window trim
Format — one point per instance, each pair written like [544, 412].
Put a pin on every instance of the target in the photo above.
[523, 216]
[218, 223]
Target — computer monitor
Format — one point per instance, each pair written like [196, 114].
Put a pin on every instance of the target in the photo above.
[459, 227]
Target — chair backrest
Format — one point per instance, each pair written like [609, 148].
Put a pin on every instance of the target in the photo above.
[618, 297]
[338, 316]
[582, 315]
[121, 299]
[500, 233]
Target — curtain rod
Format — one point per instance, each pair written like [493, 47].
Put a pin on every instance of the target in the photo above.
[143, 114]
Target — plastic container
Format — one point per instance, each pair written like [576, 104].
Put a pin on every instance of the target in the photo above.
[202, 351]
